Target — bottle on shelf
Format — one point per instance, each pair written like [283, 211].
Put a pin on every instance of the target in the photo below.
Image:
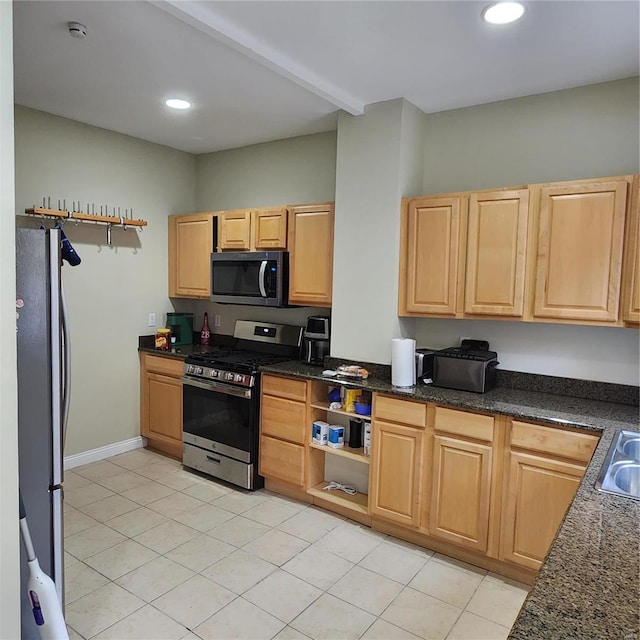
[205, 334]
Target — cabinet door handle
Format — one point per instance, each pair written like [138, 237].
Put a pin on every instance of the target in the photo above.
[214, 459]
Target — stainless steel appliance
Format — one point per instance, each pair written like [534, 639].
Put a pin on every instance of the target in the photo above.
[469, 367]
[424, 363]
[43, 402]
[250, 277]
[221, 401]
[315, 340]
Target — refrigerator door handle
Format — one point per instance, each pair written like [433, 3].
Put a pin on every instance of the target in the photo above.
[66, 365]
[57, 374]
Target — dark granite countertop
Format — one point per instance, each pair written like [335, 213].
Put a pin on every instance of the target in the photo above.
[589, 585]
[179, 353]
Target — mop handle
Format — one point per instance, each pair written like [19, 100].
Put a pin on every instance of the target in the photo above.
[24, 530]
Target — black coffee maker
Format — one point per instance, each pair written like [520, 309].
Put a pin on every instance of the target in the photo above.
[315, 340]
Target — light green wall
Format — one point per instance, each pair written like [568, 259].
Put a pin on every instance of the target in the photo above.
[9, 549]
[586, 132]
[293, 171]
[565, 135]
[379, 161]
[112, 291]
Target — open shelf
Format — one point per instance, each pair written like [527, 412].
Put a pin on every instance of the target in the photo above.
[345, 452]
[324, 406]
[358, 502]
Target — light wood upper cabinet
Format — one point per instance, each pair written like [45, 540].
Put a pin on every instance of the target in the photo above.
[580, 232]
[253, 229]
[190, 247]
[310, 248]
[431, 232]
[270, 229]
[631, 269]
[461, 479]
[235, 230]
[496, 253]
[161, 402]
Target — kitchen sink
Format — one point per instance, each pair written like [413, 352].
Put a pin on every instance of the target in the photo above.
[620, 473]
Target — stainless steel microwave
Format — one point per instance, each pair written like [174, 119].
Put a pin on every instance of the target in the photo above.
[250, 277]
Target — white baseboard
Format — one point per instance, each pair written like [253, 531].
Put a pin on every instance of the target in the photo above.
[94, 455]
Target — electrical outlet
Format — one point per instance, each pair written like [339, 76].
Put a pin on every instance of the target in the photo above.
[217, 320]
[152, 320]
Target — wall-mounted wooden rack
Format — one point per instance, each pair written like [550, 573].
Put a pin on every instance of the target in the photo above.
[85, 217]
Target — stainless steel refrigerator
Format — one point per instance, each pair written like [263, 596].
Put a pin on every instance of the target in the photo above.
[43, 402]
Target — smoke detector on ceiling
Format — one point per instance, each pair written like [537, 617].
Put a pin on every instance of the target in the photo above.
[77, 30]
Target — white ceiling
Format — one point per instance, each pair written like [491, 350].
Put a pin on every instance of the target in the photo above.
[257, 71]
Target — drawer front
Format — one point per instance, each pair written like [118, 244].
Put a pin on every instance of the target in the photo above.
[284, 419]
[463, 423]
[403, 411]
[557, 442]
[284, 387]
[169, 366]
[281, 460]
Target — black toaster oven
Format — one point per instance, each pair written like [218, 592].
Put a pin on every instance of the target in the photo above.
[470, 367]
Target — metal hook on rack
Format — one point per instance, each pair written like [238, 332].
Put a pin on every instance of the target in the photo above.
[109, 225]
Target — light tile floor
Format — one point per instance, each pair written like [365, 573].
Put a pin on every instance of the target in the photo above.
[153, 551]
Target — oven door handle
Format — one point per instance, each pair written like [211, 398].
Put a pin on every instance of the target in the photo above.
[227, 389]
[261, 282]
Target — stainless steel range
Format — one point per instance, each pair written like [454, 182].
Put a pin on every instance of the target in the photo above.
[221, 401]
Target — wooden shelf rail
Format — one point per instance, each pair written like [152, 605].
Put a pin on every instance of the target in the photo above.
[85, 217]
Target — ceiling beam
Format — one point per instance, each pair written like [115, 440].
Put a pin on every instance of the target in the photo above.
[208, 22]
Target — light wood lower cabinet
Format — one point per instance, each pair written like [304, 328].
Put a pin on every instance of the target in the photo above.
[539, 492]
[396, 472]
[460, 492]
[282, 429]
[462, 469]
[281, 460]
[487, 489]
[161, 402]
[544, 469]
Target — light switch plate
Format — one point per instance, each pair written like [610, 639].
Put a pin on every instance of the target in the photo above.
[152, 320]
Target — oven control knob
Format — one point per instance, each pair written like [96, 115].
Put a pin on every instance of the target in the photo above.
[198, 370]
[239, 377]
[189, 368]
[214, 373]
[229, 376]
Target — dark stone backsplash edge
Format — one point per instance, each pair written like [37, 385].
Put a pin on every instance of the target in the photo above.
[517, 380]
[513, 380]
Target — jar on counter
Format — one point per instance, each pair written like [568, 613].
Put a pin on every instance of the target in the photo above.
[163, 339]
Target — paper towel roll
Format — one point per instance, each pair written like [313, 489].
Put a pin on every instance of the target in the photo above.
[403, 362]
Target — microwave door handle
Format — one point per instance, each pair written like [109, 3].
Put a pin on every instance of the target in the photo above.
[263, 270]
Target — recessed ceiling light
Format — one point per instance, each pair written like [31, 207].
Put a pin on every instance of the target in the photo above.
[176, 103]
[503, 12]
